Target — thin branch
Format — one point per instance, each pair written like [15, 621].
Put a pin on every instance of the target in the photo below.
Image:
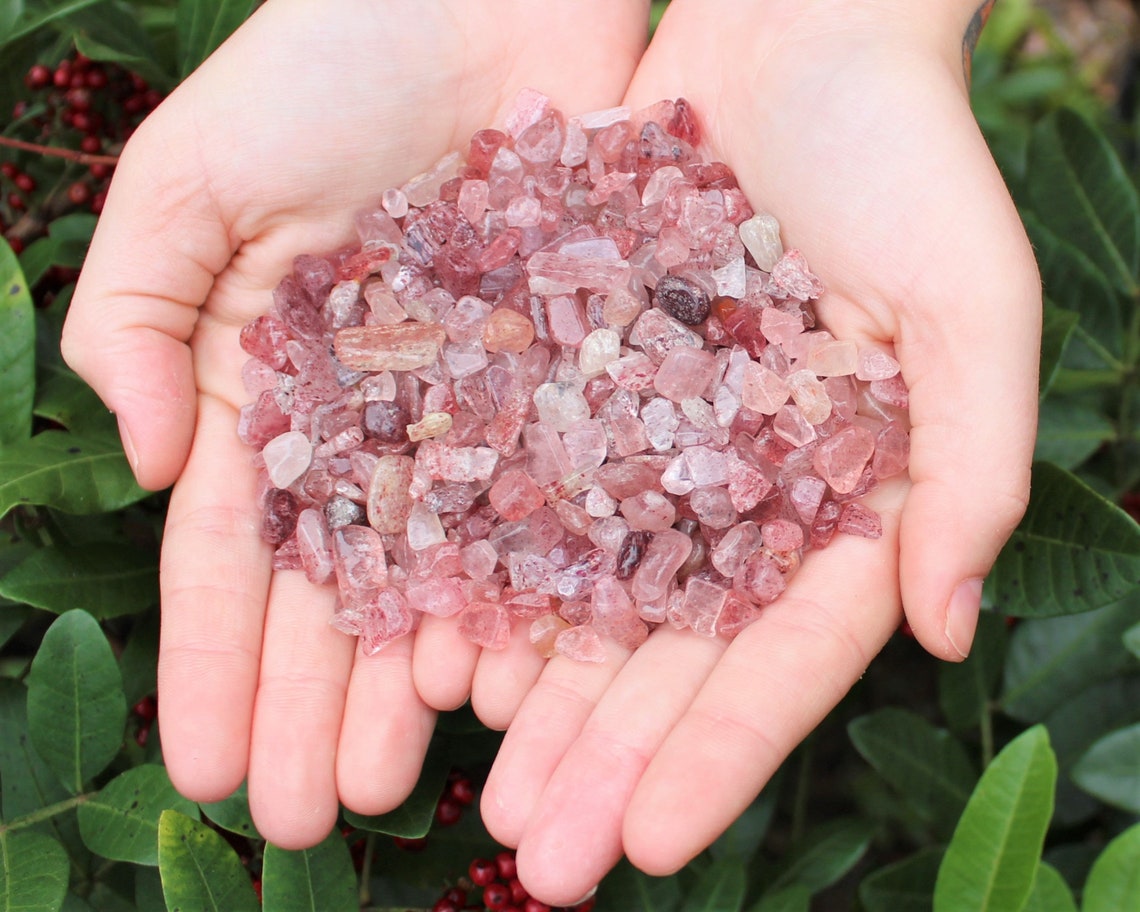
[84, 158]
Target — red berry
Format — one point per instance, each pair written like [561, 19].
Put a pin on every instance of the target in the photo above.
[519, 894]
[462, 790]
[100, 171]
[77, 80]
[142, 735]
[91, 144]
[146, 708]
[535, 905]
[152, 98]
[96, 78]
[16, 202]
[98, 201]
[16, 244]
[410, 845]
[61, 78]
[586, 905]
[82, 120]
[448, 812]
[482, 872]
[445, 905]
[505, 862]
[25, 182]
[496, 896]
[39, 77]
[134, 104]
[456, 895]
[257, 887]
[9, 170]
[19, 109]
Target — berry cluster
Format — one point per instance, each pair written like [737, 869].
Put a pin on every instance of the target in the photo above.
[458, 795]
[144, 712]
[494, 886]
[84, 111]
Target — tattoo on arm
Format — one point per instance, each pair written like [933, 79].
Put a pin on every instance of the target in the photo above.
[973, 30]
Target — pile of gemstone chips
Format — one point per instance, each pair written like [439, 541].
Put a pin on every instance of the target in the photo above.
[569, 379]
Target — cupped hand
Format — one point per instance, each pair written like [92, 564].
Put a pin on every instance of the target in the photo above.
[851, 124]
[307, 113]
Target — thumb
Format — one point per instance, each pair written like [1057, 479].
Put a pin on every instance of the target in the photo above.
[973, 404]
[152, 261]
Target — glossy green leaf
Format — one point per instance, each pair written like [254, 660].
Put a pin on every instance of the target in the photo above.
[17, 351]
[413, 818]
[67, 400]
[76, 708]
[720, 888]
[26, 782]
[106, 580]
[113, 33]
[1069, 430]
[38, 13]
[1082, 191]
[200, 872]
[65, 245]
[1073, 551]
[33, 873]
[905, 886]
[827, 854]
[1110, 769]
[1113, 883]
[320, 879]
[12, 618]
[1132, 640]
[10, 11]
[966, 688]
[741, 840]
[121, 822]
[991, 861]
[203, 25]
[631, 890]
[75, 473]
[927, 765]
[1050, 893]
[796, 898]
[1056, 330]
[1051, 660]
[1076, 285]
[232, 813]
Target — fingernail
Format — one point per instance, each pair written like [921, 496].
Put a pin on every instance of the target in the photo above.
[129, 446]
[589, 895]
[962, 615]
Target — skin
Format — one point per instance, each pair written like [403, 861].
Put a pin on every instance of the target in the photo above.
[848, 121]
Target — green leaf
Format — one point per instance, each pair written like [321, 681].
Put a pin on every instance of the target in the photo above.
[232, 813]
[927, 765]
[1050, 893]
[320, 879]
[1056, 330]
[10, 11]
[741, 840]
[1075, 285]
[827, 854]
[67, 400]
[1073, 551]
[1090, 715]
[33, 873]
[76, 708]
[121, 822]
[104, 579]
[17, 351]
[905, 886]
[38, 13]
[1132, 640]
[796, 898]
[1113, 883]
[205, 24]
[992, 859]
[199, 869]
[630, 890]
[113, 33]
[1080, 188]
[966, 688]
[12, 618]
[1069, 430]
[721, 888]
[1053, 659]
[75, 473]
[413, 818]
[1110, 769]
[65, 245]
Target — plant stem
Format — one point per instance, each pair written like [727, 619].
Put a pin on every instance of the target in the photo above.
[803, 788]
[366, 871]
[986, 724]
[84, 158]
[46, 813]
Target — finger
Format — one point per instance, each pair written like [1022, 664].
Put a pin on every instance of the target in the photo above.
[585, 800]
[443, 663]
[550, 718]
[504, 677]
[301, 694]
[148, 269]
[214, 579]
[774, 684]
[970, 355]
[385, 733]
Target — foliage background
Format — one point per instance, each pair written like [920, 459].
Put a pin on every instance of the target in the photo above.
[1010, 782]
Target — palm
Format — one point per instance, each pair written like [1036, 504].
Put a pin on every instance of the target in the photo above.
[870, 159]
[254, 164]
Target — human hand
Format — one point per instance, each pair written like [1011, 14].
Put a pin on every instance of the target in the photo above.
[850, 123]
[265, 152]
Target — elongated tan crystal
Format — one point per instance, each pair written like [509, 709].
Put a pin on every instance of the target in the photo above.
[400, 347]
